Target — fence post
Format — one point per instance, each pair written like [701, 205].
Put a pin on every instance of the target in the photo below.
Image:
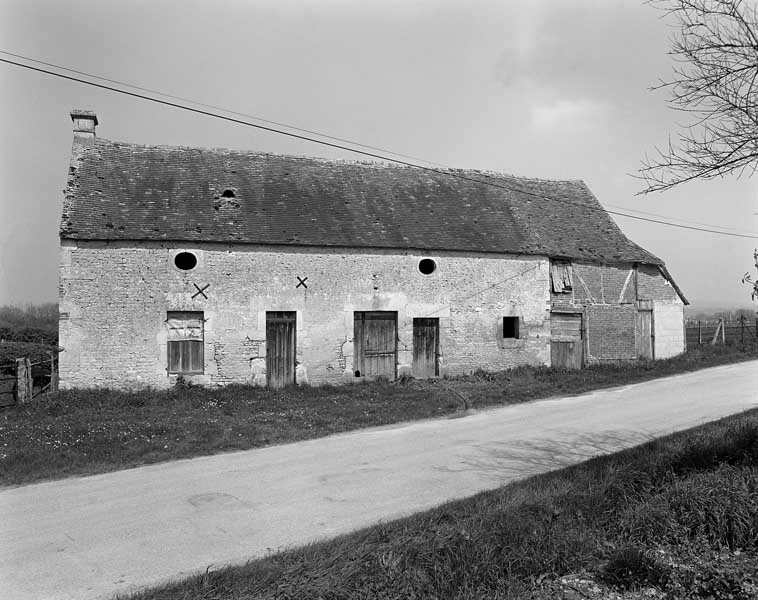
[723, 332]
[716, 334]
[699, 333]
[53, 373]
[24, 379]
[742, 329]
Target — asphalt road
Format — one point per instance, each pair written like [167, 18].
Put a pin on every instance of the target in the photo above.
[92, 537]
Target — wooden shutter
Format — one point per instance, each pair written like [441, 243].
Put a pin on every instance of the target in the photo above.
[185, 342]
[561, 276]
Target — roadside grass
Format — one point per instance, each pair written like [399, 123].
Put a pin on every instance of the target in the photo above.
[675, 518]
[78, 432]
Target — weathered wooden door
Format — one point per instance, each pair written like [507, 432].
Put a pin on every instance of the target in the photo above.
[280, 348]
[644, 334]
[375, 344]
[566, 344]
[426, 347]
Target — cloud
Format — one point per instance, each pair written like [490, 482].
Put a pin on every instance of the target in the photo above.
[566, 114]
[580, 49]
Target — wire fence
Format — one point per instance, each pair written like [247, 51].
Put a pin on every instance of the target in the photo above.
[718, 331]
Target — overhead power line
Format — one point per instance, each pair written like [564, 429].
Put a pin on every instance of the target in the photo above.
[221, 108]
[349, 149]
[642, 212]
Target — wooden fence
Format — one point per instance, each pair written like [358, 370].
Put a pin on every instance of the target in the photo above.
[24, 380]
[718, 331]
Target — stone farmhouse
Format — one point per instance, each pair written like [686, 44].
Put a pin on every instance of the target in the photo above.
[224, 266]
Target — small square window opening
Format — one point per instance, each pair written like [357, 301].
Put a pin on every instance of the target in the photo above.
[511, 327]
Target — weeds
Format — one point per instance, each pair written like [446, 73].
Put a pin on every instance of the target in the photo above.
[96, 430]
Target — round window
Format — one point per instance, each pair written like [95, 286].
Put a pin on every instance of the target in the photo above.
[185, 261]
[427, 266]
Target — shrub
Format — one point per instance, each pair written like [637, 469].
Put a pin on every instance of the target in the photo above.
[631, 566]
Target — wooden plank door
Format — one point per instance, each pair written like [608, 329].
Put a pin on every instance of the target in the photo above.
[280, 348]
[426, 347]
[375, 344]
[644, 334]
[566, 345]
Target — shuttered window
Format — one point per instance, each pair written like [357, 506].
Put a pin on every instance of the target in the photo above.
[185, 342]
[561, 276]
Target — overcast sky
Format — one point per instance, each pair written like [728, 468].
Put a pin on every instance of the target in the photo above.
[550, 89]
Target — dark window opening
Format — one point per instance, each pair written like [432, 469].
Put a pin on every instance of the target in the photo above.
[511, 327]
[185, 261]
[185, 342]
[228, 194]
[427, 266]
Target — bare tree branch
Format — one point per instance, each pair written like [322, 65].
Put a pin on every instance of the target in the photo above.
[714, 80]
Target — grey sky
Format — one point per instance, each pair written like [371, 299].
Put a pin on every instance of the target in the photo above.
[552, 89]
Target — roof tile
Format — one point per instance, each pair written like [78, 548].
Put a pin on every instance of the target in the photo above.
[121, 191]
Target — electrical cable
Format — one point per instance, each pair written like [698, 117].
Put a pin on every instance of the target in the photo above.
[221, 108]
[364, 153]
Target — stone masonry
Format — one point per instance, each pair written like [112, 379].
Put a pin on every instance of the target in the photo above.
[117, 337]
[329, 240]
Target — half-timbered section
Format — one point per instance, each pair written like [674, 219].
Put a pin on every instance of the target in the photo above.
[620, 311]
[222, 266]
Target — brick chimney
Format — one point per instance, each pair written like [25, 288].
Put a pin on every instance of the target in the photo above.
[85, 122]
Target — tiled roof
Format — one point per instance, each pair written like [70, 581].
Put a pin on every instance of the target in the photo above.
[123, 191]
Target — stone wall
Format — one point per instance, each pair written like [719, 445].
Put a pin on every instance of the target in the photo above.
[114, 299]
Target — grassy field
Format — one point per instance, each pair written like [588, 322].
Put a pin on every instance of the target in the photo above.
[90, 431]
[675, 518]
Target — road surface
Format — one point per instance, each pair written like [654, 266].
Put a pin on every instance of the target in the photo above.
[91, 537]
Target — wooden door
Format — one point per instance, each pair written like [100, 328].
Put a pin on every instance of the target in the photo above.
[426, 347]
[566, 344]
[375, 344]
[644, 334]
[280, 348]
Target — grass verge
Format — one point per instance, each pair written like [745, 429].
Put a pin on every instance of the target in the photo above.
[675, 518]
[79, 432]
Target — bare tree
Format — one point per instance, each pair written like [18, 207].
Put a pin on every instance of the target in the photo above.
[747, 278]
[715, 82]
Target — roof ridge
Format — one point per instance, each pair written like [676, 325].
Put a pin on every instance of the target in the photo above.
[343, 161]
